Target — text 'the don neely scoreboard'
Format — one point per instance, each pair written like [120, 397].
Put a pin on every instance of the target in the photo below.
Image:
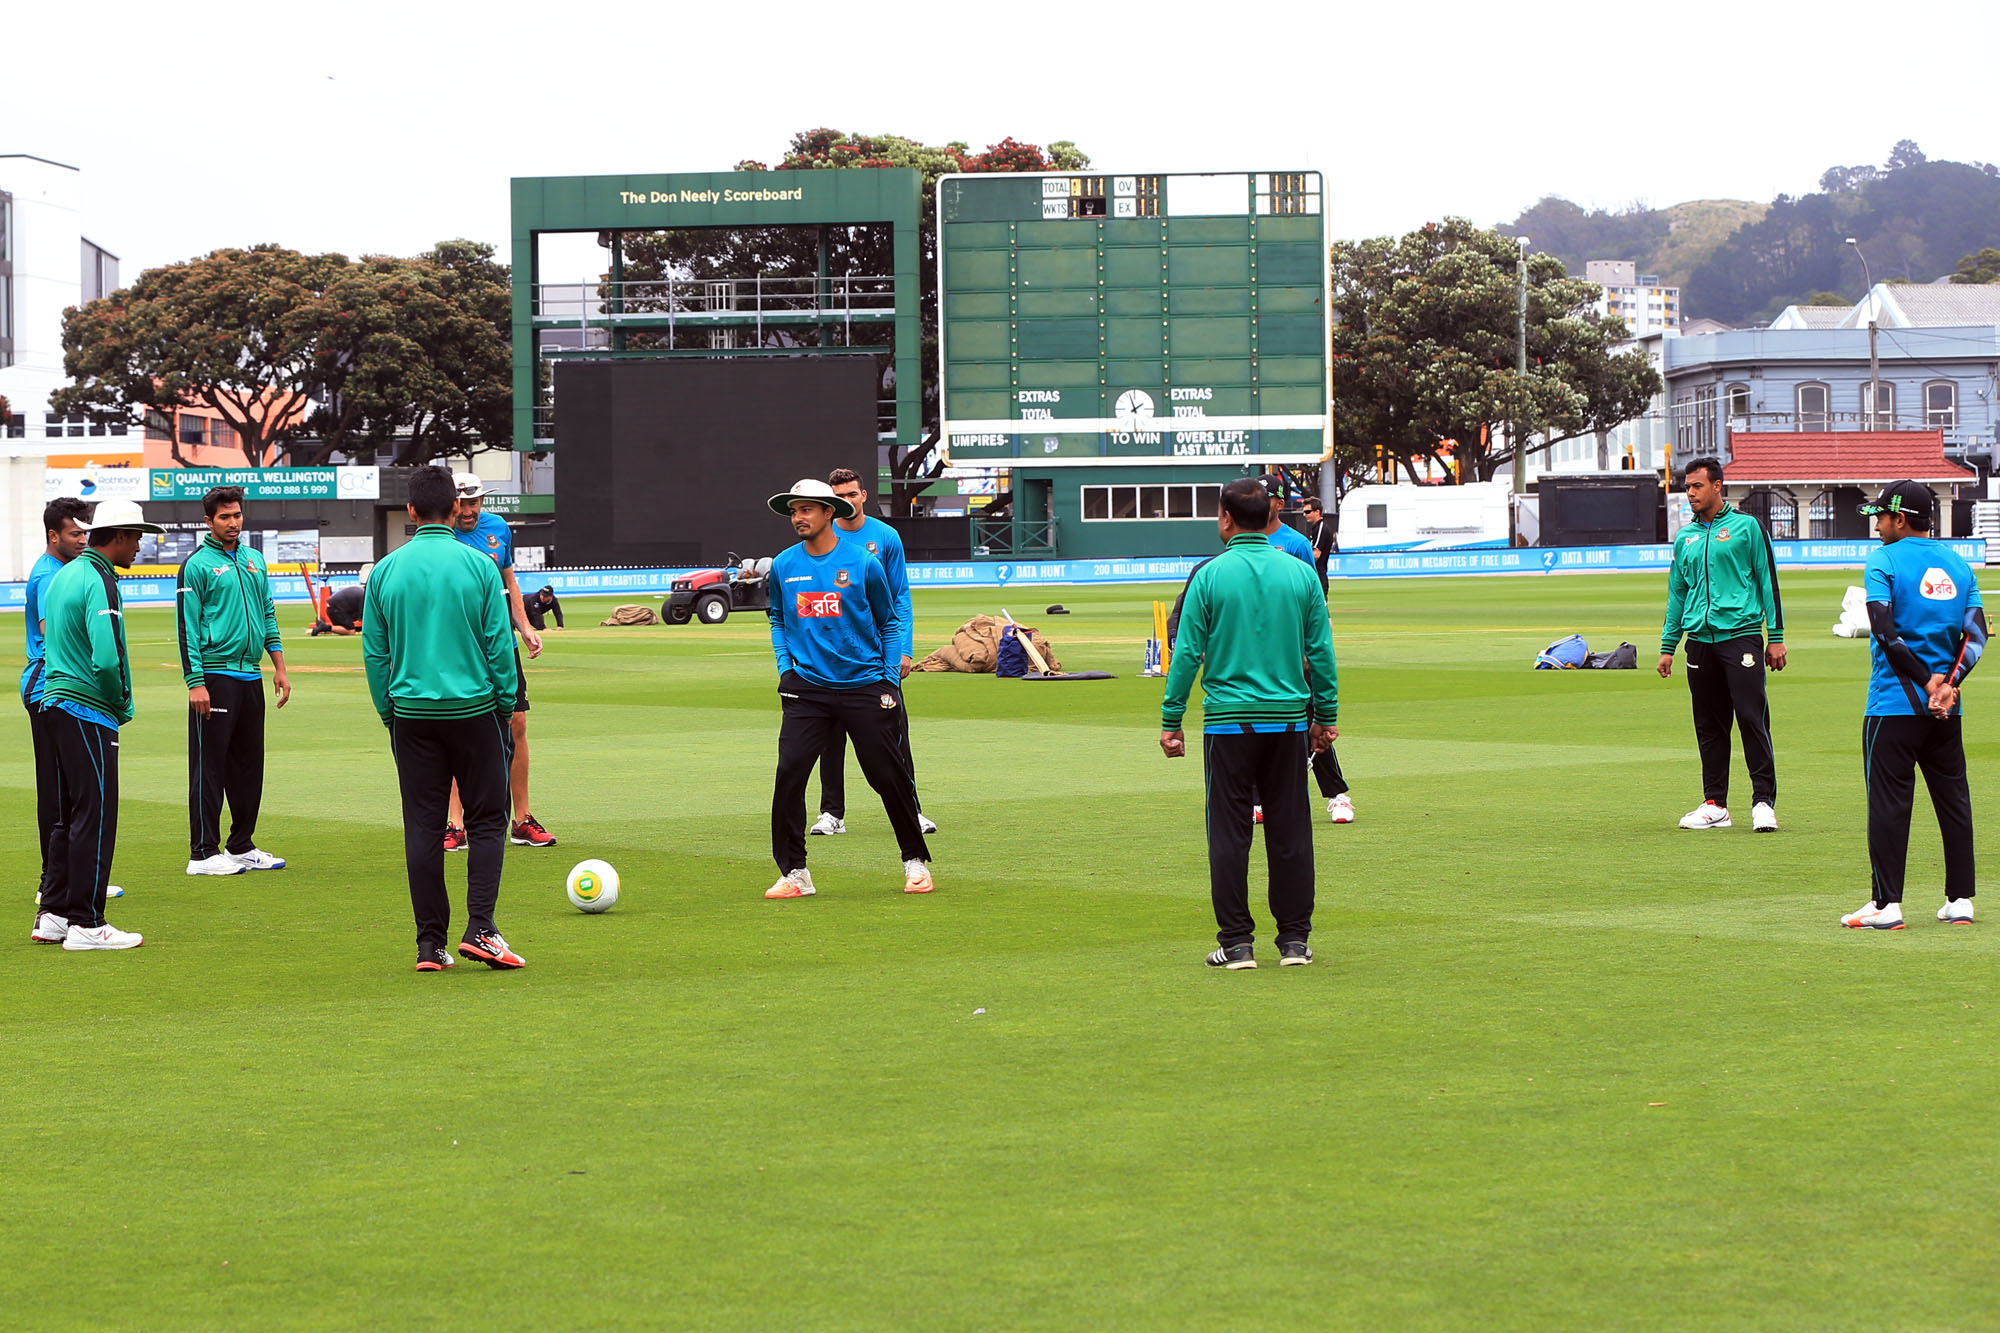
[1117, 319]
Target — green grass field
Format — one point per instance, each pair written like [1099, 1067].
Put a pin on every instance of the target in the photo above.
[1559, 1064]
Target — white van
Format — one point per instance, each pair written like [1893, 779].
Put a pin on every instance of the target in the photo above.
[1425, 518]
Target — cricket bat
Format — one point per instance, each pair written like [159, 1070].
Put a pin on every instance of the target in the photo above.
[1034, 653]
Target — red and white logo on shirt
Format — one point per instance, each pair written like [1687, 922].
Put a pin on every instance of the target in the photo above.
[818, 605]
[1938, 586]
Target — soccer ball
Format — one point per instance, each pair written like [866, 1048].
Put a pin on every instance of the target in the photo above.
[593, 886]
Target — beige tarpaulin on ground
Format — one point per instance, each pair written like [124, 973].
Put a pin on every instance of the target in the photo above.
[631, 615]
[976, 646]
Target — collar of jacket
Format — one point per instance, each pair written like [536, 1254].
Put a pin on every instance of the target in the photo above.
[102, 559]
[212, 540]
[1720, 514]
[1246, 538]
[434, 530]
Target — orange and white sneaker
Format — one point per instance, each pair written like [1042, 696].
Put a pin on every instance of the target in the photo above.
[793, 884]
[486, 946]
[1706, 815]
[1875, 916]
[917, 877]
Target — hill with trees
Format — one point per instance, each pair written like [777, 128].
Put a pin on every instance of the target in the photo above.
[1916, 221]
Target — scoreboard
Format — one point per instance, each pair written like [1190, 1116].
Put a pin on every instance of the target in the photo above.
[1123, 319]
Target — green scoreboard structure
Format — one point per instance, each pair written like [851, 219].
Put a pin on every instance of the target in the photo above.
[1121, 321]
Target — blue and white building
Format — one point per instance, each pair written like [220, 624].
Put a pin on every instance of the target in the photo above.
[1938, 351]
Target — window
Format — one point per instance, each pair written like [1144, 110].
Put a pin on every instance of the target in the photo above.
[1378, 516]
[222, 435]
[1736, 401]
[6, 228]
[1704, 419]
[191, 429]
[1941, 404]
[1185, 503]
[1883, 415]
[17, 426]
[159, 426]
[1811, 406]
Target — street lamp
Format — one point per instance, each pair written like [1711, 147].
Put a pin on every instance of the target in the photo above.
[1874, 365]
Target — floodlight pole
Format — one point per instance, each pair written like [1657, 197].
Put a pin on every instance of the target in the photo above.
[1520, 362]
[1874, 363]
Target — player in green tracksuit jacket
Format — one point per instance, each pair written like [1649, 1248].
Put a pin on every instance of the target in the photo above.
[87, 697]
[1722, 597]
[438, 647]
[1254, 624]
[227, 622]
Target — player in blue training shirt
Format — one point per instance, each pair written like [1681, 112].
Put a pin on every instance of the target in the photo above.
[489, 535]
[1928, 632]
[60, 527]
[885, 544]
[837, 634]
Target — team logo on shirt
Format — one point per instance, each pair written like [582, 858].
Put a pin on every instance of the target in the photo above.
[872, 548]
[818, 605]
[840, 578]
[1937, 585]
[888, 701]
[1749, 659]
[1723, 535]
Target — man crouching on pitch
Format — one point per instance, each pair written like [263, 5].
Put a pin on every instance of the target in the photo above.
[838, 636]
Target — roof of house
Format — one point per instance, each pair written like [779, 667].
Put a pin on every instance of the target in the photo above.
[1812, 317]
[1817, 458]
[1929, 305]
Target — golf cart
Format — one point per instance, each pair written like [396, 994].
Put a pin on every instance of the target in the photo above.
[709, 595]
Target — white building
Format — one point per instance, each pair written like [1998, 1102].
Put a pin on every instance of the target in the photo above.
[47, 264]
[1637, 298]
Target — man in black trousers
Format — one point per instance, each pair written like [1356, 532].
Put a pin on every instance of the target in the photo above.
[438, 648]
[1256, 631]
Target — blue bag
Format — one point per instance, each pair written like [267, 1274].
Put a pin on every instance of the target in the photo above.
[1565, 654]
[1012, 658]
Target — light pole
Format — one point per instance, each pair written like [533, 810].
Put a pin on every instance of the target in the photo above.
[1520, 361]
[1874, 365]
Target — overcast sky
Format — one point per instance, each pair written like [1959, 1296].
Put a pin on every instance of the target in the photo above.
[371, 127]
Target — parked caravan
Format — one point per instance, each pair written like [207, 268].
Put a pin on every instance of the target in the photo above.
[1424, 518]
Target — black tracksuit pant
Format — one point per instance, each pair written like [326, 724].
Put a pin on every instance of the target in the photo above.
[1726, 683]
[226, 760]
[86, 833]
[431, 754]
[833, 765]
[1891, 750]
[1326, 770]
[811, 714]
[48, 798]
[1241, 768]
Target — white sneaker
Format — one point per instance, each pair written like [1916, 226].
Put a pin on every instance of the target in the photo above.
[1875, 916]
[1763, 819]
[222, 863]
[827, 825]
[1956, 912]
[925, 824]
[110, 891]
[106, 936]
[1706, 815]
[1340, 809]
[53, 929]
[257, 860]
[795, 884]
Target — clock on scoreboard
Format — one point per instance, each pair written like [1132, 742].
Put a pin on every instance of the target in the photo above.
[1112, 319]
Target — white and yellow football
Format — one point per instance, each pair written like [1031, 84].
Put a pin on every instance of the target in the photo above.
[593, 886]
